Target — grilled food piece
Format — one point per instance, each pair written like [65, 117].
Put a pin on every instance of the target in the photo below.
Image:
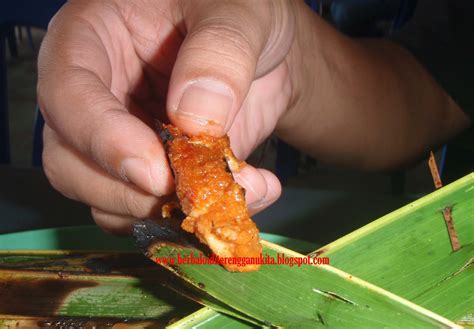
[212, 201]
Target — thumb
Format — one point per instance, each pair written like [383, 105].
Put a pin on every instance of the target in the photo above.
[216, 63]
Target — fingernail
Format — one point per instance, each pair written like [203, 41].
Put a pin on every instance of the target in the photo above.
[206, 105]
[138, 171]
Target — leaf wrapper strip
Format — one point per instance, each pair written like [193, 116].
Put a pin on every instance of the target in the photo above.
[74, 322]
[284, 296]
[152, 233]
[413, 254]
[39, 290]
[211, 319]
[85, 267]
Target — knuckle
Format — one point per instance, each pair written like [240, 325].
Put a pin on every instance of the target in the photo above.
[132, 202]
[232, 36]
[52, 166]
[226, 39]
[100, 142]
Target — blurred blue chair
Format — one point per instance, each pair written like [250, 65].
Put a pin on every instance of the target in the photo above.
[34, 13]
[360, 18]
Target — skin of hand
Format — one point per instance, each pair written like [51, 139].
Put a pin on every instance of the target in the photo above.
[109, 68]
[364, 103]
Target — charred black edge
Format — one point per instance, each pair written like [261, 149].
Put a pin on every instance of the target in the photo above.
[163, 132]
[83, 322]
[165, 135]
[91, 263]
[149, 232]
[178, 214]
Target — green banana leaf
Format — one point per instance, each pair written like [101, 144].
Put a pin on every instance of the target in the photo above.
[74, 289]
[398, 271]
[408, 252]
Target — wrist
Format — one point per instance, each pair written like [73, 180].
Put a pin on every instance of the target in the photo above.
[301, 67]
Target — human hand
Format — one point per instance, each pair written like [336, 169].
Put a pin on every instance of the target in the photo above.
[109, 68]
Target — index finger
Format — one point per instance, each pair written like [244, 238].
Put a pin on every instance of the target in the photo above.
[74, 91]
